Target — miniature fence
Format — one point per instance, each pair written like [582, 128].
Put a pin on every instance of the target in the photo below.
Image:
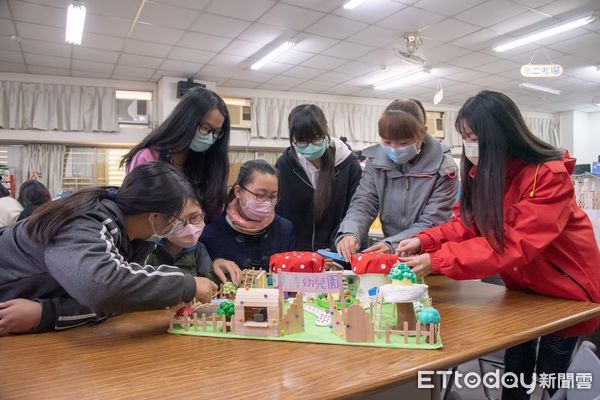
[217, 323]
[431, 332]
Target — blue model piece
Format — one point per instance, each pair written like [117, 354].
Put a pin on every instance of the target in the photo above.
[330, 254]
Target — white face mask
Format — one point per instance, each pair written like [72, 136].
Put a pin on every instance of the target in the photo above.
[472, 152]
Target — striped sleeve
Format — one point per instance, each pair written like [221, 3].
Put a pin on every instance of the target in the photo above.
[86, 262]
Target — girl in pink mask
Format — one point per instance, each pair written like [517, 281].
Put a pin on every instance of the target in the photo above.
[181, 248]
[249, 231]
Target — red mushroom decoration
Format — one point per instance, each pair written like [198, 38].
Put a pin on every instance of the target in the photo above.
[185, 311]
[373, 263]
[372, 270]
[296, 261]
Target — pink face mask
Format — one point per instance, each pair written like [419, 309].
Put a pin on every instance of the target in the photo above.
[257, 210]
[187, 236]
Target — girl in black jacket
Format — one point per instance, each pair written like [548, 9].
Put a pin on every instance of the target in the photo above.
[318, 175]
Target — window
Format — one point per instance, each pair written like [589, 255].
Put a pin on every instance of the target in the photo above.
[237, 158]
[4, 155]
[90, 166]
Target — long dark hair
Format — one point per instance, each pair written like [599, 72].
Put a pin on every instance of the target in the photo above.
[153, 187]
[246, 174]
[207, 171]
[33, 193]
[307, 122]
[502, 135]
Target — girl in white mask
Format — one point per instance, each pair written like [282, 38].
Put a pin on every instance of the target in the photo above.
[409, 180]
[249, 232]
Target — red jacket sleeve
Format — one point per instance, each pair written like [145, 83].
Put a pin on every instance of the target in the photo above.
[453, 231]
[530, 225]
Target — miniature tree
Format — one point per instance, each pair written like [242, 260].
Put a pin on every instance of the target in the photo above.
[226, 308]
[229, 290]
[402, 275]
[429, 315]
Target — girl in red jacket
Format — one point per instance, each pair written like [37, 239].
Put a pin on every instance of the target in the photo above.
[519, 219]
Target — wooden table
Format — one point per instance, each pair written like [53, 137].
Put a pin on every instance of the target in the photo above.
[131, 356]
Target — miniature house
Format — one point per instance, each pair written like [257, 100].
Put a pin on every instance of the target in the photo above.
[258, 312]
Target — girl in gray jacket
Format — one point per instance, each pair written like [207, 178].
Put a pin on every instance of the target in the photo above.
[77, 258]
[409, 180]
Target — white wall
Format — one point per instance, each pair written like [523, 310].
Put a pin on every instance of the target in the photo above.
[167, 95]
[580, 134]
[567, 130]
[594, 132]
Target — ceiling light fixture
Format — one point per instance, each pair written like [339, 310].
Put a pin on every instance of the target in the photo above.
[133, 95]
[403, 78]
[272, 55]
[75, 22]
[538, 88]
[546, 33]
[349, 5]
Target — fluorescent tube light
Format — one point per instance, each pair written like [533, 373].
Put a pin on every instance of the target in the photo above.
[349, 5]
[546, 33]
[272, 55]
[133, 95]
[538, 88]
[75, 22]
[403, 78]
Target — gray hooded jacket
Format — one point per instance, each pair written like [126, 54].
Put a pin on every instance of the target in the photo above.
[87, 270]
[408, 198]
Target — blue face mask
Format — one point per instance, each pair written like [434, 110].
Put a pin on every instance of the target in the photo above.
[201, 143]
[313, 151]
[401, 155]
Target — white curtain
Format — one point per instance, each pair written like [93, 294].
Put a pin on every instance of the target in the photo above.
[357, 122]
[451, 135]
[57, 107]
[45, 161]
[545, 128]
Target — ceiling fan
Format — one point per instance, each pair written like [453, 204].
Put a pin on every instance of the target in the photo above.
[410, 53]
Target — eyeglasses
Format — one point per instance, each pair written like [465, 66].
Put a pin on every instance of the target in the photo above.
[206, 129]
[180, 223]
[177, 223]
[273, 199]
[304, 144]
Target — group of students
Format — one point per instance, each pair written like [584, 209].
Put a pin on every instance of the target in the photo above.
[146, 246]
